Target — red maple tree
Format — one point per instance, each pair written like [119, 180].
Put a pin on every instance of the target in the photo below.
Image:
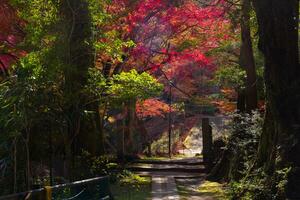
[10, 35]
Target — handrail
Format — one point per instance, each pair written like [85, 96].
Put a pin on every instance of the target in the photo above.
[26, 195]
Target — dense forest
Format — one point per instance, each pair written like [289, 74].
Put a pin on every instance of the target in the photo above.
[90, 87]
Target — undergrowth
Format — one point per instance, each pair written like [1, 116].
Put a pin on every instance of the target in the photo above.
[246, 180]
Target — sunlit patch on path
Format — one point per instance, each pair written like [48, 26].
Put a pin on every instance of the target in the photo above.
[164, 188]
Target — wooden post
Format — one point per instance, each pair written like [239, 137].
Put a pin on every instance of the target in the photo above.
[207, 144]
[170, 123]
[149, 149]
[48, 193]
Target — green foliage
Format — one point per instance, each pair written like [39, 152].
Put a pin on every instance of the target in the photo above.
[98, 14]
[114, 48]
[102, 165]
[40, 16]
[281, 180]
[132, 85]
[131, 186]
[92, 166]
[29, 95]
[259, 185]
[114, 44]
[121, 87]
[247, 181]
[27, 102]
[186, 44]
[96, 84]
[129, 178]
[243, 138]
[232, 76]
[253, 187]
[10, 118]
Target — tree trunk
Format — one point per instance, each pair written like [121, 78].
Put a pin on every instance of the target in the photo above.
[129, 130]
[15, 165]
[247, 59]
[101, 116]
[123, 140]
[221, 171]
[28, 174]
[50, 156]
[278, 31]
[77, 57]
[241, 101]
[267, 149]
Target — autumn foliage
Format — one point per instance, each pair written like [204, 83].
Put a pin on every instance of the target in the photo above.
[152, 108]
[10, 35]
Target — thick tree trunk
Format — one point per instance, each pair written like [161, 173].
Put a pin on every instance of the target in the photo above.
[278, 31]
[221, 171]
[129, 130]
[267, 149]
[247, 59]
[78, 58]
[241, 101]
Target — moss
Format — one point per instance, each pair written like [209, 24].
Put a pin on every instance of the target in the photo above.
[197, 189]
[132, 187]
[134, 180]
[212, 189]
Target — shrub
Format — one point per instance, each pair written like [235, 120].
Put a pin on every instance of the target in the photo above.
[247, 181]
[244, 134]
[91, 166]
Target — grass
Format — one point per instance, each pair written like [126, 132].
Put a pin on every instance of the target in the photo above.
[153, 158]
[132, 187]
[127, 192]
[157, 158]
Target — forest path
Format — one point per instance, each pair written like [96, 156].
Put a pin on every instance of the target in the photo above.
[167, 173]
[164, 188]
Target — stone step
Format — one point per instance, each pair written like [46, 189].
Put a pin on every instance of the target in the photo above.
[169, 162]
[176, 175]
[167, 167]
[184, 161]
